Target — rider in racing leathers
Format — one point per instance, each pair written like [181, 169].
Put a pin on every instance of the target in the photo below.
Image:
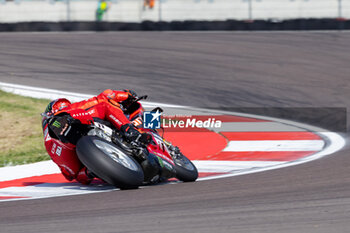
[106, 106]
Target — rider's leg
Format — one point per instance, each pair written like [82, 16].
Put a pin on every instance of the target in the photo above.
[116, 116]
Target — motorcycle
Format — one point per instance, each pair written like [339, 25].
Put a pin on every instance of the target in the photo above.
[127, 165]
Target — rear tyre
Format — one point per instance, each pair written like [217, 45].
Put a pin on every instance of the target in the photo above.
[185, 169]
[109, 162]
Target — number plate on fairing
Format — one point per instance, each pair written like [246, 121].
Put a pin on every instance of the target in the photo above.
[163, 147]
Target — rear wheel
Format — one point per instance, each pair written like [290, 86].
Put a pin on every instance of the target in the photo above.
[185, 169]
[109, 162]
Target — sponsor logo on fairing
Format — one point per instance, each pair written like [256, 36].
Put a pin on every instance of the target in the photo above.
[53, 149]
[56, 124]
[81, 114]
[59, 151]
[115, 119]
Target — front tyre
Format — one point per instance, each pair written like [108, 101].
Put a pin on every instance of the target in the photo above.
[185, 169]
[110, 163]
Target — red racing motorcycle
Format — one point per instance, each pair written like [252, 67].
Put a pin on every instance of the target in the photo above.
[108, 156]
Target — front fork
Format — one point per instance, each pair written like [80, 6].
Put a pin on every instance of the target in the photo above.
[174, 150]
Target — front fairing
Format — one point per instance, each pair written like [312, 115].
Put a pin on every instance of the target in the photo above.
[158, 148]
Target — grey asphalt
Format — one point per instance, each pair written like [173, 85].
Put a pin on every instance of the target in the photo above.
[216, 69]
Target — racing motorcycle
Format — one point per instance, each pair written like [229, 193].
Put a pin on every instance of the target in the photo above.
[108, 156]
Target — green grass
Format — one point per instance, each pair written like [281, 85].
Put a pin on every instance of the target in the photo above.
[21, 137]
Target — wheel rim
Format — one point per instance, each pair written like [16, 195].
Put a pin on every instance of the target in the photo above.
[116, 154]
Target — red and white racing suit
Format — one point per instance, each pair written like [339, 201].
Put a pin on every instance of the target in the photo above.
[104, 106]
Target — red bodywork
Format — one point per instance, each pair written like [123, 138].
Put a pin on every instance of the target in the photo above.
[64, 154]
[158, 148]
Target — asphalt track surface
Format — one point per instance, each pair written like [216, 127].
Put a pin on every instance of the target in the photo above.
[295, 69]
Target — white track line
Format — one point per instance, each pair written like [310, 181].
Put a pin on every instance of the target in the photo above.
[256, 127]
[230, 166]
[276, 145]
[52, 189]
[334, 141]
[28, 170]
[44, 93]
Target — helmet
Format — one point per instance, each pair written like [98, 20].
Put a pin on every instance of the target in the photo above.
[57, 105]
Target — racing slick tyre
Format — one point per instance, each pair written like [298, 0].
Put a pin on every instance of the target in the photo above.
[185, 169]
[109, 163]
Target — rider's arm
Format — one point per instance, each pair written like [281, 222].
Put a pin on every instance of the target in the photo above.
[85, 104]
[113, 96]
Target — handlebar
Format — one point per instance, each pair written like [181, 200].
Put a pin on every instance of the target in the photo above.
[141, 98]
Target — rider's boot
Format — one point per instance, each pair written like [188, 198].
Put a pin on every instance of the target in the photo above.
[131, 134]
[84, 176]
[174, 150]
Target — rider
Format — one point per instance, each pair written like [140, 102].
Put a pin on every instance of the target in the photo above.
[108, 105]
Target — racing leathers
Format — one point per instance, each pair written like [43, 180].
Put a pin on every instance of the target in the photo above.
[106, 106]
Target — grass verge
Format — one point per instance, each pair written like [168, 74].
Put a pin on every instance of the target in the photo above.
[21, 137]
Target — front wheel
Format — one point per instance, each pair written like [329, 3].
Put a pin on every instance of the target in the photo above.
[109, 162]
[185, 169]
